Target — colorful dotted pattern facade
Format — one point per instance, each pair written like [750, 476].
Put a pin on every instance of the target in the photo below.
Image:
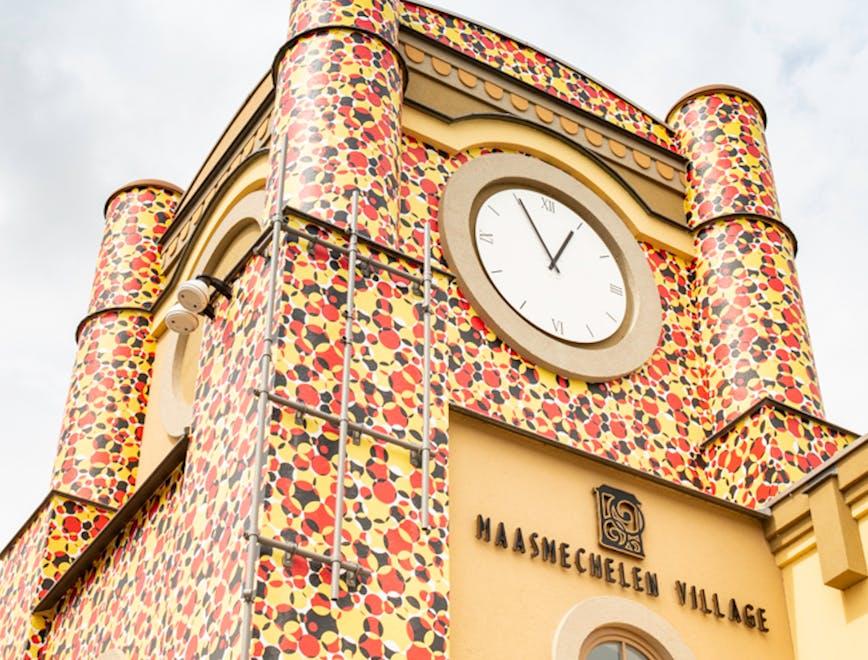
[169, 585]
[535, 69]
[36, 559]
[338, 105]
[378, 17]
[752, 323]
[766, 452]
[122, 601]
[72, 525]
[98, 454]
[20, 574]
[98, 451]
[401, 610]
[128, 272]
[722, 135]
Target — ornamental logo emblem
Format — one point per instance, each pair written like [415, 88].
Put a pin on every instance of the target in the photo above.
[620, 521]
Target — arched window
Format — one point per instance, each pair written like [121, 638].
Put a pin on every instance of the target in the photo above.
[617, 644]
[610, 628]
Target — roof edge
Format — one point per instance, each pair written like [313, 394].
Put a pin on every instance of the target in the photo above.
[724, 88]
[561, 61]
[142, 183]
[115, 526]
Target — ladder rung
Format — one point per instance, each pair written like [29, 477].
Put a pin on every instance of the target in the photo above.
[295, 549]
[335, 420]
[290, 212]
[345, 250]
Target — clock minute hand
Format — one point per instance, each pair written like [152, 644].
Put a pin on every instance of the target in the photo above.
[536, 231]
[554, 263]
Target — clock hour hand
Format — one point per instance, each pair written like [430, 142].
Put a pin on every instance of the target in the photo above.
[538, 235]
[554, 263]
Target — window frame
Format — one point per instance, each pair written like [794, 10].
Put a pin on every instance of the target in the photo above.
[623, 636]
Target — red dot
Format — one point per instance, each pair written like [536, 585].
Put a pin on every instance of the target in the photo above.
[309, 646]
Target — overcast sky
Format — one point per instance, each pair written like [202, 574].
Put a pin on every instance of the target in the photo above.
[95, 94]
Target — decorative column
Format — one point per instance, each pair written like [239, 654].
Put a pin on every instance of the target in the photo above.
[751, 318]
[338, 94]
[98, 453]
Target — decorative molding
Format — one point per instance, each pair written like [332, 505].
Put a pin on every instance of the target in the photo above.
[603, 611]
[246, 133]
[510, 96]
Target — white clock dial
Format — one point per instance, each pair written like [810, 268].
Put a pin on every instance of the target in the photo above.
[550, 265]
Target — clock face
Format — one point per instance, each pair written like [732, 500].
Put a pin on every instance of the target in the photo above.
[550, 265]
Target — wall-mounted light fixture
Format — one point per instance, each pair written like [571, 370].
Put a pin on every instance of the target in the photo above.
[194, 299]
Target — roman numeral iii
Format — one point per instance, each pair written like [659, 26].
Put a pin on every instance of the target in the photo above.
[614, 288]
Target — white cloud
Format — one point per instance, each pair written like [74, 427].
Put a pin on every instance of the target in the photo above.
[99, 93]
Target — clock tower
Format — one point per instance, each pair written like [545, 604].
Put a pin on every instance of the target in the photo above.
[448, 351]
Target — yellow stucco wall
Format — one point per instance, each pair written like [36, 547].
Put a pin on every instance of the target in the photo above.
[507, 605]
[827, 622]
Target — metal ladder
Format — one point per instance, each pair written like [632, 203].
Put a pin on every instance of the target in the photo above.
[420, 453]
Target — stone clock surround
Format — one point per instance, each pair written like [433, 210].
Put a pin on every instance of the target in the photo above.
[616, 356]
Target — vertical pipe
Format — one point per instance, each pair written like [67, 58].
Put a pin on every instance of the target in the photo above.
[426, 384]
[252, 532]
[345, 400]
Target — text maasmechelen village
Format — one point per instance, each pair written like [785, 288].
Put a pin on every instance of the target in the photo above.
[581, 562]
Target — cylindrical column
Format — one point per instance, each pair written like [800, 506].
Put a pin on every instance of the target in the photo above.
[338, 95]
[752, 323]
[98, 452]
